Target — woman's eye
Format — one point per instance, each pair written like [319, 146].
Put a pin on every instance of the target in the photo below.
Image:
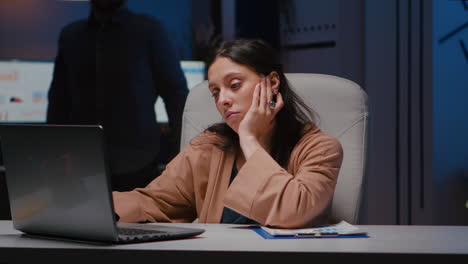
[235, 85]
[214, 95]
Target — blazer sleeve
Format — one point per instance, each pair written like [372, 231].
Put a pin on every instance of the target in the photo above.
[168, 198]
[59, 100]
[270, 195]
[169, 79]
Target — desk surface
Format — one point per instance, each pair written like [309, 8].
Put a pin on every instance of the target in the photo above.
[236, 242]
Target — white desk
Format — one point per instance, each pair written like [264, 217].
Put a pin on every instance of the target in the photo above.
[234, 244]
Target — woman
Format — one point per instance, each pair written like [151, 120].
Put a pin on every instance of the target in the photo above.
[267, 163]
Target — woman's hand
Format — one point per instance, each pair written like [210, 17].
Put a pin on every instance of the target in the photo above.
[256, 126]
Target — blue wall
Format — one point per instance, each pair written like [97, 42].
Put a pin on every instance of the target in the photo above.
[176, 15]
[450, 109]
[29, 29]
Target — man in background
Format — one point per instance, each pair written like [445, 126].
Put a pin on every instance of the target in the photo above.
[109, 70]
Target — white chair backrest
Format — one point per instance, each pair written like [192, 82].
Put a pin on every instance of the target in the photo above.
[341, 106]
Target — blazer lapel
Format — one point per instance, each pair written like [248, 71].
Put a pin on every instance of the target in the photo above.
[218, 182]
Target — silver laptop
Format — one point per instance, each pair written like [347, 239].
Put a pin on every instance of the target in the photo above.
[59, 186]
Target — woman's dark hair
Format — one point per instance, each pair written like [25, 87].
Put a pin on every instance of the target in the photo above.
[290, 120]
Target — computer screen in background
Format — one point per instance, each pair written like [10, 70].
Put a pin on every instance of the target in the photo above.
[194, 72]
[24, 86]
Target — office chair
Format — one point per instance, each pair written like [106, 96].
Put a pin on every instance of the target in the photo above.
[341, 106]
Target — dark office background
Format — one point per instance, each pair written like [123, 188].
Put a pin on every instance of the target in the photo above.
[410, 56]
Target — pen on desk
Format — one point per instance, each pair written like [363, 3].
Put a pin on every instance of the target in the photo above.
[317, 234]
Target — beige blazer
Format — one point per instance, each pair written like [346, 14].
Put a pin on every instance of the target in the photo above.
[195, 185]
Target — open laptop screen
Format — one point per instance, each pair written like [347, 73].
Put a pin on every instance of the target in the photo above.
[57, 181]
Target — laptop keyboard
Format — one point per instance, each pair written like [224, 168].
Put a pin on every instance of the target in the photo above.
[126, 234]
[136, 232]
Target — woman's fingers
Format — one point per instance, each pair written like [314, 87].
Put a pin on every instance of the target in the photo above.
[269, 97]
[256, 96]
[263, 99]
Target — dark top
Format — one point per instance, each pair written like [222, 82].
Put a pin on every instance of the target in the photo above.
[230, 216]
[111, 74]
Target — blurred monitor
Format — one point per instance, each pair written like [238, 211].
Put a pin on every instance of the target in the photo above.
[24, 86]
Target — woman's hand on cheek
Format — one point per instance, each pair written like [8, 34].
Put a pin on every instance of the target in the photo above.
[259, 120]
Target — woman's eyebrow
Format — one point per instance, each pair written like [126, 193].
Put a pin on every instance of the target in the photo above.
[227, 76]
[211, 86]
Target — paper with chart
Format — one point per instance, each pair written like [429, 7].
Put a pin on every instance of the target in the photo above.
[341, 229]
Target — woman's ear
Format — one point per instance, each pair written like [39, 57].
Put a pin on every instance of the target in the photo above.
[275, 81]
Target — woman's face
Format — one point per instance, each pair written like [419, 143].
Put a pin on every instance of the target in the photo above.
[232, 86]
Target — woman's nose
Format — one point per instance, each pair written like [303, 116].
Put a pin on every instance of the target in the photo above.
[224, 99]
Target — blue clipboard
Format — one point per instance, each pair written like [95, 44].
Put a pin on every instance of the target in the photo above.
[266, 235]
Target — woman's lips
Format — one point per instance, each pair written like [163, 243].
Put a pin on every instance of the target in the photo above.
[230, 115]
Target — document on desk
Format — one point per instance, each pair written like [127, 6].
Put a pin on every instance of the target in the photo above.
[342, 229]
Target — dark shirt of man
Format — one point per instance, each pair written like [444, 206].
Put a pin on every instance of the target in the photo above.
[110, 73]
